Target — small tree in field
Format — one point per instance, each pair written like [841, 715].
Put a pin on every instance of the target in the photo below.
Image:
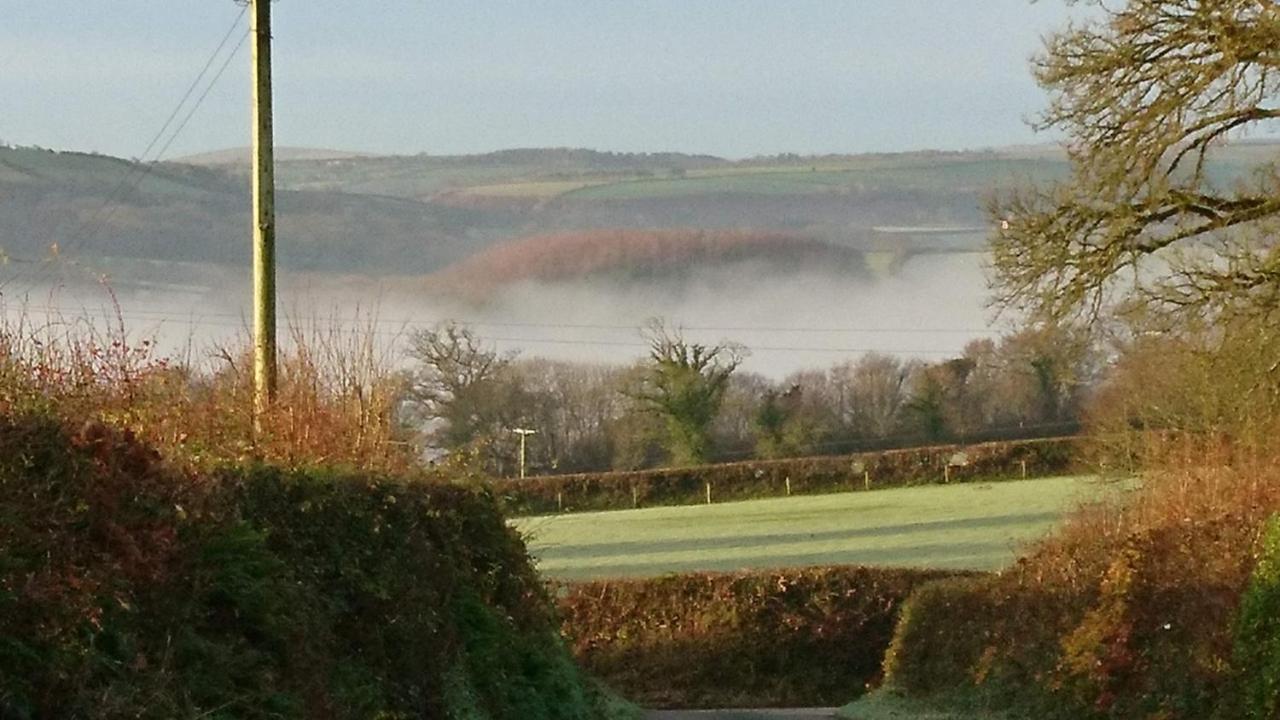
[684, 384]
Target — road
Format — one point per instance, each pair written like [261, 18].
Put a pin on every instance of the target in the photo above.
[792, 714]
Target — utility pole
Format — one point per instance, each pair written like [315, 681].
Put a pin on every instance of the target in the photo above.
[523, 433]
[264, 216]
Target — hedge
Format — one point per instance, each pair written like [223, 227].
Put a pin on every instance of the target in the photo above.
[753, 639]
[1258, 633]
[1149, 638]
[773, 478]
[130, 589]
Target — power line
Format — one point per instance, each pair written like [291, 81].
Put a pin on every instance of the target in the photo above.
[190, 90]
[403, 322]
[731, 328]
[141, 169]
[112, 205]
[200, 100]
[752, 348]
[226, 320]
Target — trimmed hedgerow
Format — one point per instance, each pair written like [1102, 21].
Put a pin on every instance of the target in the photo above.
[130, 589]
[772, 478]
[1148, 637]
[1258, 633]
[751, 639]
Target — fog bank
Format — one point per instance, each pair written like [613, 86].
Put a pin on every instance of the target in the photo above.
[929, 309]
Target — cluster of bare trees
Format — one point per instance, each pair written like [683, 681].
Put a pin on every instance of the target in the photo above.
[689, 403]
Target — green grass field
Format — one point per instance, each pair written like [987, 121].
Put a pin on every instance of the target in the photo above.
[915, 175]
[979, 526]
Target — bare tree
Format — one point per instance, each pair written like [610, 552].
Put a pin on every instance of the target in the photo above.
[465, 393]
[735, 425]
[872, 393]
[1145, 93]
[573, 406]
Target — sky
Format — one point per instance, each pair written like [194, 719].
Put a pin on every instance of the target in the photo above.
[734, 78]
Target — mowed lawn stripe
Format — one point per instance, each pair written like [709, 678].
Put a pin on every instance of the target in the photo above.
[979, 526]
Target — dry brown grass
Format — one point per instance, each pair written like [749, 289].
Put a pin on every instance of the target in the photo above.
[1194, 484]
[337, 401]
[1128, 610]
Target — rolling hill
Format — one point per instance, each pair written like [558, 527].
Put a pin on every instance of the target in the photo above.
[350, 213]
[101, 206]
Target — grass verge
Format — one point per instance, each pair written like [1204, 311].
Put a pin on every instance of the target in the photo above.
[886, 704]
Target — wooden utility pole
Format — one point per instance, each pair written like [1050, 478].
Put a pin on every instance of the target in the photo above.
[264, 216]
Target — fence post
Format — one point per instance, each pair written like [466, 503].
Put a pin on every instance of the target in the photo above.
[708, 492]
[866, 479]
[1024, 469]
[635, 497]
[560, 501]
[946, 473]
[788, 486]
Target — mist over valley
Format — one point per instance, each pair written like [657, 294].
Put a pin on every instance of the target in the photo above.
[805, 261]
[561, 253]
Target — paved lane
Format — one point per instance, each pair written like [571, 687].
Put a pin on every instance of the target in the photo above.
[785, 714]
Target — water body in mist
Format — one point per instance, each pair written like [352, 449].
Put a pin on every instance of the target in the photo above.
[929, 309]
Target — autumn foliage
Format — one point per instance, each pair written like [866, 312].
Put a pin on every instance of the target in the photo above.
[620, 254]
[1130, 610]
[130, 588]
[336, 400]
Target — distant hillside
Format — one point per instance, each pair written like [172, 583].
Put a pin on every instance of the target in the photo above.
[243, 156]
[415, 215]
[102, 206]
[557, 172]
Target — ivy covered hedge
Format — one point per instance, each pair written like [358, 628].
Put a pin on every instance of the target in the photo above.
[130, 589]
[773, 478]
[1257, 651]
[753, 639]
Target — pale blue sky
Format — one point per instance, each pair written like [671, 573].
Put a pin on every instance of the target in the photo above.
[728, 77]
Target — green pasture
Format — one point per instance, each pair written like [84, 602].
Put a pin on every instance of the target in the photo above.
[916, 174]
[756, 183]
[425, 176]
[976, 526]
[538, 189]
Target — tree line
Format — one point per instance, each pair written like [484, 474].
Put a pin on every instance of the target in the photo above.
[688, 403]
